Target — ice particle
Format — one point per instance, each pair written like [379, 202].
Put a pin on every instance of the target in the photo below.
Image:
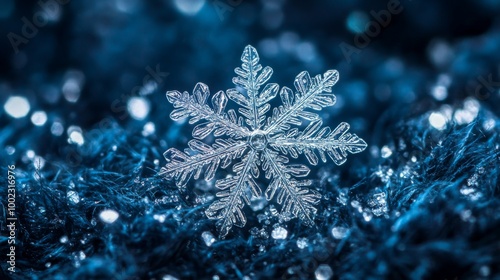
[302, 243]
[39, 118]
[138, 108]
[279, 233]
[208, 237]
[437, 120]
[109, 216]
[339, 232]
[17, 106]
[323, 272]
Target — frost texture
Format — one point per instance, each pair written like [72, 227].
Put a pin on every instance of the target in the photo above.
[261, 142]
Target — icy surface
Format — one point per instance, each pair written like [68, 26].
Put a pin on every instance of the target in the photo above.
[258, 141]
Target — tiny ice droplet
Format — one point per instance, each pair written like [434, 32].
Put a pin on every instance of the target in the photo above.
[160, 218]
[30, 154]
[258, 203]
[17, 106]
[39, 118]
[279, 233]
[357, 205]
[169, 277]
[38, 162]
[302, 243]
[10, 150]
[323, 272]
[75, 135]
[57, 129]
[138, 108]
[109, 216]
[208, 237]
[467, 191]
[367, 216]
[339, 232]
[437, 120]
[71, 90]
[73, 197]
[148, 129]
[63, 239]
[439, 92]
[488, 124]
[385, 152]
[484, 271]
[468, 113]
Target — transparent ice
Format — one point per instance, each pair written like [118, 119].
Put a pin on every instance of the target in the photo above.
[258, 141]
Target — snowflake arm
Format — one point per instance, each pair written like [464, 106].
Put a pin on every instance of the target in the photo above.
[336, 144]
[233, 195]
[254, 104]
[314, 93]
[183, 165]
[196, 107]
[296, 201]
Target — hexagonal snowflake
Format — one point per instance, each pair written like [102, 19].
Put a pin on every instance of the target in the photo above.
[259, 140]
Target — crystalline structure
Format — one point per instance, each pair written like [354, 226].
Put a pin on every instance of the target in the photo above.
[258, 141]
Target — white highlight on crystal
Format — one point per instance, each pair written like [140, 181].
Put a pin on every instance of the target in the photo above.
[138, 108]
[437, 120]
[39, 118]
[109, 216]
[17, 106]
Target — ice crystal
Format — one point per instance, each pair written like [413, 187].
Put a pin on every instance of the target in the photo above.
[258, 140]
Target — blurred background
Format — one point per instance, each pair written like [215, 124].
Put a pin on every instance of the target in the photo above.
[69, 66]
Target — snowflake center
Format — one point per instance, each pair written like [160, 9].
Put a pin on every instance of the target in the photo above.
[258, 140]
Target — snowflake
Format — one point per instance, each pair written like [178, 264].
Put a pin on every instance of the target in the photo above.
[259, 141]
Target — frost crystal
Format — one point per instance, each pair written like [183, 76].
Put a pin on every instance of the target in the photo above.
[258, 140]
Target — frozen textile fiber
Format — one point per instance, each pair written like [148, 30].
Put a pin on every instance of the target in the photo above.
[426, 206]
